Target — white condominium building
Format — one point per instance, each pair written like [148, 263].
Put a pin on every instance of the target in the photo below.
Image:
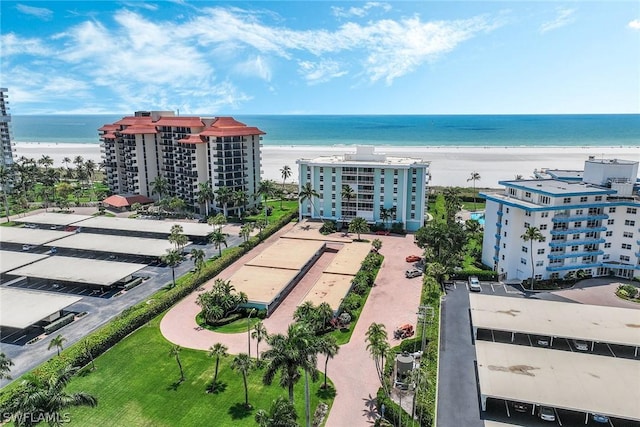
[385, 189]
[590, 221]
[6, 151]
[186, 151]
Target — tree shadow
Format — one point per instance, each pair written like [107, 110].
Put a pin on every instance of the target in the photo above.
[326, 393]
[174, 386]
[240, 411]
[217, 387]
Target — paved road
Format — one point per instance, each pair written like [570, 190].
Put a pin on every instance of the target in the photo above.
[458, 401]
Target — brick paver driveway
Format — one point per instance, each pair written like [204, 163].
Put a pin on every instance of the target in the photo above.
[393, 301]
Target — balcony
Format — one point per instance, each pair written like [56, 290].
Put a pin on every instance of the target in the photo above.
[570, 218]
[575, 266]
[562, 232]
[576, 242]
[574, 254]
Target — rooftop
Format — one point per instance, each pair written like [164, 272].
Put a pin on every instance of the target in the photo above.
[554, 187]
[21, 308]
[329, 288]
[145, 225]
[287, 254]
[261, 284]
[52, 218]
[115, 244]
[364, 156]
[13, 259]
[28, 236]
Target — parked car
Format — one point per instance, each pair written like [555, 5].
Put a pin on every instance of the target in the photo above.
[520, 407]
[26, 247]
[412, 258]
[474, 284]
[543, 341]
[412, 272]
[547, 413]
[602, 419]
[53, 250]
[581, 345]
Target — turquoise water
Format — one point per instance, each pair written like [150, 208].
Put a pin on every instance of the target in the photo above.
[478, 216]
[406, 130]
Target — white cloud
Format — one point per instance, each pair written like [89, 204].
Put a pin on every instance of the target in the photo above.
[359, 12]
[320, 72]
[38, 12]
[14, 45]
[255, 67]
[635, 24]
[563, 17]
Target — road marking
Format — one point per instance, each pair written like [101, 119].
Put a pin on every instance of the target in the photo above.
[492, 290]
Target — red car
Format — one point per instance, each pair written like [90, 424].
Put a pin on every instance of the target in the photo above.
[413, 258]
[382, 232]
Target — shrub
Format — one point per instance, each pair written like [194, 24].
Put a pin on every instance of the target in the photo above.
[631, 290]
[328, 227]
[351, 303]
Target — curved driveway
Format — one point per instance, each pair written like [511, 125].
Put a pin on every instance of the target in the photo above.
[393, 301]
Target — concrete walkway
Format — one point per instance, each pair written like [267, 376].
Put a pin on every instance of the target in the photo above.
[393, 301]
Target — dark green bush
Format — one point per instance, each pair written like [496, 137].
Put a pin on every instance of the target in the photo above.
[483, 275]
[328, 227]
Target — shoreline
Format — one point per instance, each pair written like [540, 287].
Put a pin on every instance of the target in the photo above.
[449, 165]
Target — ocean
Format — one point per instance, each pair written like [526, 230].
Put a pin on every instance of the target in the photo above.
[381, 130]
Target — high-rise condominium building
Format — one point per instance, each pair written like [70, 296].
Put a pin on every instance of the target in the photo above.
[589, 221]
[186, 151]
[381, 188]
[6, 151]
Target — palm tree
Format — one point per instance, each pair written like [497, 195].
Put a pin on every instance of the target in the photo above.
[5, 179]
[173, 258]
[347, 194]
[246, 229]
[177, 238]
[205, 195]
[90, 167]
[57, 342]
[288, 354]
[385, 216]
[240, 198]
[243, 364]
[452, 203]
[5, 367]
[265, 190]
[45, 161]
[259, 333]
[218, 350]
[159, 186]
[217, 221]
[307, 192]
[198, 255]
[223, 194]
[532, 234]
[87, 351]
[281, 414]
[285, 173]
[174, 351]
[475, 176]
[218, 239]
[376, 338]
[37, 399]
[358, 225]
[328, 346]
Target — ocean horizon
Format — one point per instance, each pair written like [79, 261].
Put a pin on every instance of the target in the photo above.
[522, 130]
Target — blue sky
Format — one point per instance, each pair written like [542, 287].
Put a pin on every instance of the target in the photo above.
[321, 57]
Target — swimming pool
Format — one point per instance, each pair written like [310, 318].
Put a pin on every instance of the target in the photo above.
[478, 216]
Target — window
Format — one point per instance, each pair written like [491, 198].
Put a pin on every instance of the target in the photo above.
[610, 222]
[612, 210]
[577, 224]
[527, 194]
[543, 226]
[395, 181]
[504, 234]
[506, 222]
[605, 257]
[624, 258]
[566, 200]
[583, 199]
[503, 257]
[575, 248]
[598, 198]
[544, 200]
[507, 210]
[513, 192]
[607, 245]
[504, 246]
[321, 178]
[539, 263]
[527, 213]
[321, 169]
[382, 197]
[579, 211]
[544, 215]
[540, 251]
[629, 222]
[527, 225]
[525, 249]
[321, 187]
[576, 236]
[382, 180]
[626, 246]
[627, 234]
[632, 211]
[523, 261]
[609, 233]
[538, 276]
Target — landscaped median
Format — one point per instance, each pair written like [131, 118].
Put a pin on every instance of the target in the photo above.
[138, 315]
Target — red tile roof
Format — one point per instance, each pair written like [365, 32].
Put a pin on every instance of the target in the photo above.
[132, 120]
[192, 139]
[119, 201]
[108, 136]
[134, 129]
[109, 127]
[180, 121]
[228, 126]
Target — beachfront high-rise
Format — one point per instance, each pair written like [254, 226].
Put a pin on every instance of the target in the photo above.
[384, 188]
[185, 150]
[6, 151]
[590, 221]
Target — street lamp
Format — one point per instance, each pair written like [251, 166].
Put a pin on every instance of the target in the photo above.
[249, 332]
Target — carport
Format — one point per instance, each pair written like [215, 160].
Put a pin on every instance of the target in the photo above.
[592, 323]
[579, 382]
[265, 286]
[146, 227]
[112, 244]
[13, 259]
[21, 308]
[52, 218]
[32, 237]
[79, 270]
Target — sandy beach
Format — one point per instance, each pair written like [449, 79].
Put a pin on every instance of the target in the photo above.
[449, 165]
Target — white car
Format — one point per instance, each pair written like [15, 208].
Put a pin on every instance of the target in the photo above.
[414, 272]
[474, 284]
[547, 413]
[581, 345]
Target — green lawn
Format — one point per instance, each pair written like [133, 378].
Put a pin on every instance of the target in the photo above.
[239, 325]
[276, 213]
[136, 384]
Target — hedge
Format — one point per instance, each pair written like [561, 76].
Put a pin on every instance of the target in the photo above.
[136, 316]
[486, 275]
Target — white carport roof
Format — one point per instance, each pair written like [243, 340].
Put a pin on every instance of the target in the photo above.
[561, 379]
[79, 270]
[145, 225]
[115, 244]
[21, 308]
[29, 236]
[52, 218]
[557, 319]
[13, 259]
